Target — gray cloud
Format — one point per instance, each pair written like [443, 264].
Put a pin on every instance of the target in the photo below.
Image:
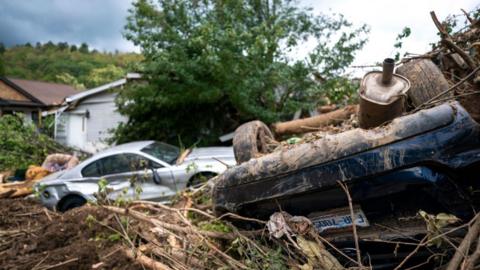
[96, 22]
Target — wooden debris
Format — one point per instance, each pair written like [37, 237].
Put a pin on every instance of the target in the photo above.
[313, 123]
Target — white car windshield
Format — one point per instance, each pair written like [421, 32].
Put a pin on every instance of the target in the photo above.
[165, 152]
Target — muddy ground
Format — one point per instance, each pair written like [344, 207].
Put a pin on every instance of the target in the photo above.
[33, 238]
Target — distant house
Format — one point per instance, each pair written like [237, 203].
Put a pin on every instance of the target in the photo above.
[31, 98]
[86, 119]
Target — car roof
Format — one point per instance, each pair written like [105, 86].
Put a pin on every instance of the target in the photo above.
[126, 147]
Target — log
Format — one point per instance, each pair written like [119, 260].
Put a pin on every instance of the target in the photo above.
[145, 260]
[7, 193]
[462, 250]
[312, 123]
[327, 108]
[17, 189]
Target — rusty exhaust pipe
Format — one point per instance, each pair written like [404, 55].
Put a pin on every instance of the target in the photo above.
[382, 96]
[387, 74]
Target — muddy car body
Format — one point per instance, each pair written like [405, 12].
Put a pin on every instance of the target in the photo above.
[419, 161]
[145, 170]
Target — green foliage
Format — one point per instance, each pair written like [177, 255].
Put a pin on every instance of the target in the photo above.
[214, 64]
[102, 193]
[215, 226]
[39, 189]
[271, 259]
[64, 63]
[103, 75]
[22, 145]
[399, 41]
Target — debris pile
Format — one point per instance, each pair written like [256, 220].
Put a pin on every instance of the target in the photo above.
[32, 237]
[34, 174]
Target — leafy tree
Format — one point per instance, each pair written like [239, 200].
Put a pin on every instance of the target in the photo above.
[399, 41]
[214, 64]
[103, 75]
[22, 145]
[62, 45]
[67, 78]
[83, 48]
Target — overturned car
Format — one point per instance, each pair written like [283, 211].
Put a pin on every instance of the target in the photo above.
[425, 161]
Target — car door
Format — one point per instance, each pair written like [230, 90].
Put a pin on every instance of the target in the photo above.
[130, 176]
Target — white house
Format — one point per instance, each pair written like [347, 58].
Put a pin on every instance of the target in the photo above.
[86, 119]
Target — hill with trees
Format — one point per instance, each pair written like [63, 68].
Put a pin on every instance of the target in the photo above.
[78, 66]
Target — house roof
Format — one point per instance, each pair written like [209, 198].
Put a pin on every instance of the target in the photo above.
[102, 88]
[18, 103]
[94, 91]
[48, 94]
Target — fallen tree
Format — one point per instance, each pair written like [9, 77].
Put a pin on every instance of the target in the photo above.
[311, 124]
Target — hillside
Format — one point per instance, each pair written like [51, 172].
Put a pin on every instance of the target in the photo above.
[64, 63]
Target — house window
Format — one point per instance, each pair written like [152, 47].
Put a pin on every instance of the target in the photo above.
[35, 117]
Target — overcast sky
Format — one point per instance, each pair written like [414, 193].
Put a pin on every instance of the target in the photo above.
[100, 22]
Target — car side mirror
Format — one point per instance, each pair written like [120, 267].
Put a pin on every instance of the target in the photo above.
[156, 177]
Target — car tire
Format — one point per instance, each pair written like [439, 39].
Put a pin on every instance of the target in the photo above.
[250, 141]
[426, 80]
[70, 202]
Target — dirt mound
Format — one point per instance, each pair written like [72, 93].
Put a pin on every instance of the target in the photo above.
[34, 238]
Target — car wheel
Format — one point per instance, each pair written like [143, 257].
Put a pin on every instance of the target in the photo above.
[70, 202]
[250, 141]
[426, 80]
[200, 178]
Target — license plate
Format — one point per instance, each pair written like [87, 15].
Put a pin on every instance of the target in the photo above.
[338, 218]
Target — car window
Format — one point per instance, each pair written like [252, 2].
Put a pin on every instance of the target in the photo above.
[138, 162]
[92, 170]
[115, 164]
[162, 151]
[120, 163]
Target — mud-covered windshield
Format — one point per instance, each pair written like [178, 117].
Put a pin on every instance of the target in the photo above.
[165, 152]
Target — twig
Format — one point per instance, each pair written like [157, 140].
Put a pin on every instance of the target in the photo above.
[449, 89]
[455, 97]
[241, 218]
[59, 264]
[145, 260]
[412, 253]
[40, 262]
[226, 165]
[462, 250]
[426, 262]
[472, 21]
[470, 262]
[111, 253]
[354, 227]
[317, 237]
[173, 227]
[447, 40]
[47, 214]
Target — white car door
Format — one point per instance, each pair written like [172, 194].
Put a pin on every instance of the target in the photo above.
[131, 176]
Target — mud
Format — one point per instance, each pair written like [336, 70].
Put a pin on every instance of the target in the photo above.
[33, 238]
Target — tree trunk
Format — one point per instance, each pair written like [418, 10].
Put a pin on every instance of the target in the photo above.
[312, 123]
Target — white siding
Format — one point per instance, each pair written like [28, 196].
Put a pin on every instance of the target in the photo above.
[102, 117]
